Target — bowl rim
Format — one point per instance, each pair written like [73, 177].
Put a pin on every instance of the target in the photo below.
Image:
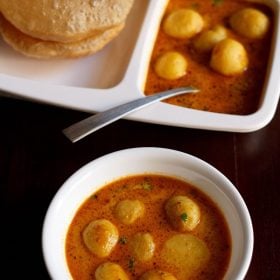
[221, 181]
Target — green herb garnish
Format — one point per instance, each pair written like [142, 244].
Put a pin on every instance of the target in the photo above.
[195, 6]
[123, 240]
[147, 186]
[184, 217]
[131, 264]
[217, 2]
[94, 196]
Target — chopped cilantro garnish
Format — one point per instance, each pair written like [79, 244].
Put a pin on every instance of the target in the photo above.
[147, 186]
[184, 217]
[94, 196]
[123, 240]
[195, 6]
[217, 2]
[131, 264]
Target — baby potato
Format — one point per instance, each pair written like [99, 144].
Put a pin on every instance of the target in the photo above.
[128, 211]
[183, 23]
[110, 271]
[100, 237]
[157, 275]
[171, 65]
[208, 39]
[250, 23]
[186, 252]
[142, 246]
[182, 212]
[229, 58]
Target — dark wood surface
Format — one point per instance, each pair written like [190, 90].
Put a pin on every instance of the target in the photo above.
[36, 158]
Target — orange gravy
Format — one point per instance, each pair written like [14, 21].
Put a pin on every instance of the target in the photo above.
[239, 94]
[153, 191]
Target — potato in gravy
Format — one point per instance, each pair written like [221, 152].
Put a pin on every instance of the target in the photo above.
[171, 231]
[225, 45]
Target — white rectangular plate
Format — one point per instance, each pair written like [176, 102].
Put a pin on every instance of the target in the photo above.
[117, 74]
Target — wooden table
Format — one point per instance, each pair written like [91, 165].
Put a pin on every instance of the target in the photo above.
[36, 158]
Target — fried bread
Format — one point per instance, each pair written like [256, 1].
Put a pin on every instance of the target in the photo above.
[38, 48]
[66, 20]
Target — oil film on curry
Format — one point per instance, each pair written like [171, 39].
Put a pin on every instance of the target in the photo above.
[221, 47]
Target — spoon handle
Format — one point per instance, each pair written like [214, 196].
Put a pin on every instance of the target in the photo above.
[89, 125]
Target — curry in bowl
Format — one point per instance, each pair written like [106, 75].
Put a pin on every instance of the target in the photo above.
[148, 227]
[221, 47]
[147, 213]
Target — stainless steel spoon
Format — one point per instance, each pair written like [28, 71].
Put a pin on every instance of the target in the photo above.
[89, 125]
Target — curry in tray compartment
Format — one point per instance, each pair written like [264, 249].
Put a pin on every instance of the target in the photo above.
[147, 227]
[219, 46]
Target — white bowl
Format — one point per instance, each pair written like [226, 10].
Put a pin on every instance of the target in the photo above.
[110, 167]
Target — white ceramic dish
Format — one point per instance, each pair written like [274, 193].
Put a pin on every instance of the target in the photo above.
[117, 73]
[94, 175]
